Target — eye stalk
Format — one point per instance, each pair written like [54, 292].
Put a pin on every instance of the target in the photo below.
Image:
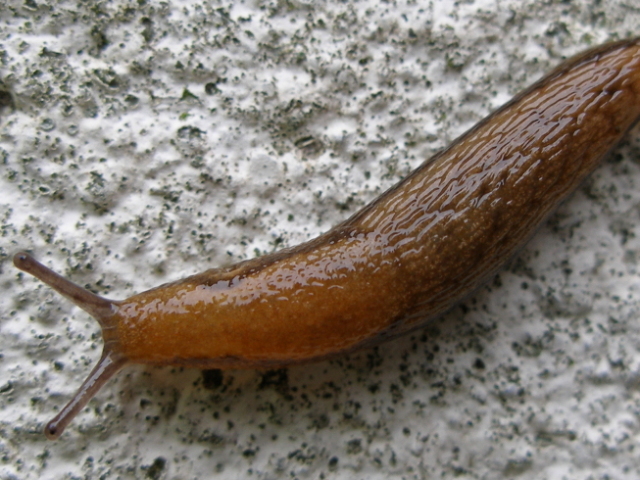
[103, 311]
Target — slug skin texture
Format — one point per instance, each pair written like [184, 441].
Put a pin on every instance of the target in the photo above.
[404, 259]
[411, 254]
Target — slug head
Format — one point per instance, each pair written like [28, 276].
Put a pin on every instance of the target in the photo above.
[102, 310]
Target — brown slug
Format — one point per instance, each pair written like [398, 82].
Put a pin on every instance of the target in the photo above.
[402, 260]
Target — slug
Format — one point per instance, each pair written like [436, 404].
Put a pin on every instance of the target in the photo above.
[402, 260]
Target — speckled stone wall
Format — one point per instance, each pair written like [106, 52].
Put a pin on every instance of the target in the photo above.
[143, 141]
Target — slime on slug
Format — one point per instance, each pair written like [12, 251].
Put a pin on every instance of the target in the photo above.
[404, 259]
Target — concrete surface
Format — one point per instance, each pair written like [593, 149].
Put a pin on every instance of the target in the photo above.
[144, 141]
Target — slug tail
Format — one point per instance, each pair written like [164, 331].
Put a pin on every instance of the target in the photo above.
[101, 309]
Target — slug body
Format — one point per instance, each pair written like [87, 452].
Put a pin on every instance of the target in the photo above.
[404, 259]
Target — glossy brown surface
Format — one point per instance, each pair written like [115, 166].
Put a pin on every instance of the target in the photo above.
[412, 253]
[404, 259]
